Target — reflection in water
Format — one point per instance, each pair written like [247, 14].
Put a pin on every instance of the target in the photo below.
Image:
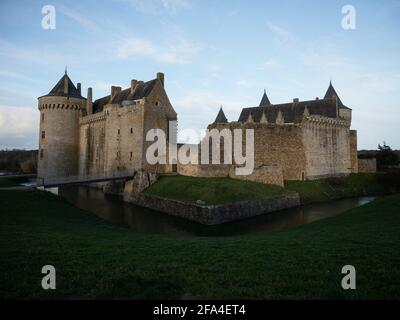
[120, 213]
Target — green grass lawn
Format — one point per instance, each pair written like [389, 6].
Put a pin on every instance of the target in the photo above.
[354, 185]
[212, 190]
[95, 259]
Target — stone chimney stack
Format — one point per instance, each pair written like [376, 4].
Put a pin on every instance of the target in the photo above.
[78, 86]
[114, 91]
[295, 100]
[89, 103]
[134, 83]
[160, 76]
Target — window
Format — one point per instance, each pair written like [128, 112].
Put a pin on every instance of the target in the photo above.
[117, 154]
[43, 134]
[42, 116]
[131, 130]
[131, 156]
[119, 131]
[41, 153]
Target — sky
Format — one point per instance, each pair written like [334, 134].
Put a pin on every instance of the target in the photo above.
[213, 53]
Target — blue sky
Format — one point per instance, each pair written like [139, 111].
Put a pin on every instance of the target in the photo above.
[212, 53]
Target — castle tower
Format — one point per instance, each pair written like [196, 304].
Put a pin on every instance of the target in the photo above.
[342, 111]
[60, 111]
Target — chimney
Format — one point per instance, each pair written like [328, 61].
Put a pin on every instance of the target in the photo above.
[160, 76]
[133, 85]
[295, 100]
[89, 103]
[78, 87]
[114, 91]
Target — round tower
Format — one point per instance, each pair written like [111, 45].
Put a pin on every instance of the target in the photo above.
[60, 111]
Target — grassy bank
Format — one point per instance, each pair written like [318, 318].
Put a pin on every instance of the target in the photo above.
[354, 185]
[212, 190]
[95, 259]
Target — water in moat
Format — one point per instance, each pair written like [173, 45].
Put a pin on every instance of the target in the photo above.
[113, 209]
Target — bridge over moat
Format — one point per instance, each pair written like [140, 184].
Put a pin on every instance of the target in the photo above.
[51, 182]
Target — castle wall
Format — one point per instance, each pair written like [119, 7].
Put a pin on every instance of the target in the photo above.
[327, 147]
[92, 144]
[278, 154]
[158, 112]
[59, 148]
[353, 151]
[123, 138]
[367, 165]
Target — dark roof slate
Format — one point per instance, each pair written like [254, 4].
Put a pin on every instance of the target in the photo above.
[221, 118]
[58, 89]
[143, 90]
[291, 111]
[264, 100]
[331, 93]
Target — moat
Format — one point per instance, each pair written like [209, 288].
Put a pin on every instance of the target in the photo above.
[118, 212]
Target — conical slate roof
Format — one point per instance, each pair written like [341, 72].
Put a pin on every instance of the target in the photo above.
[71, 91]
[221, 117]
[331, 93]
[264, 100]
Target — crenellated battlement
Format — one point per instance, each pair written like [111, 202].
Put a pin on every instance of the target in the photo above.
[96, 117]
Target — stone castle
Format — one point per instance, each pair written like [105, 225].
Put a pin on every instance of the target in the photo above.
[300, 140]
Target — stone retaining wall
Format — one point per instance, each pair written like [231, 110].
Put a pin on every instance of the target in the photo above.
[214, 214]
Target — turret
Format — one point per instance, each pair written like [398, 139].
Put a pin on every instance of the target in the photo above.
[342, 111]
[60, 111]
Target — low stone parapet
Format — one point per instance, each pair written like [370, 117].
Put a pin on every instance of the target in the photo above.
[214, 214]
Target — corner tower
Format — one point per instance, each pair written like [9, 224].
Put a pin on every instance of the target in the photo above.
[60, 111]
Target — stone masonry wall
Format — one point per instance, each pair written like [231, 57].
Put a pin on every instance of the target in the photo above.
[367, 165]
[59, 136]
[353, 151]
[214, 214]
[327, 147]
[278, 154]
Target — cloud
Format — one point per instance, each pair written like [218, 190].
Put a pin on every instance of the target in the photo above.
[197, 109]
[19, 126]
[39, 55]
[172, 7]
[85, 22]
[269, 64]
[177, 51]
[282, 35]
[14, 75]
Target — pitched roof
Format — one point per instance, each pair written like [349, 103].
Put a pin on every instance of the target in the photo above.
[142, 90]
[264, 100]
[331, 93]
[221, 117]
[291, 111]
[58, 89]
